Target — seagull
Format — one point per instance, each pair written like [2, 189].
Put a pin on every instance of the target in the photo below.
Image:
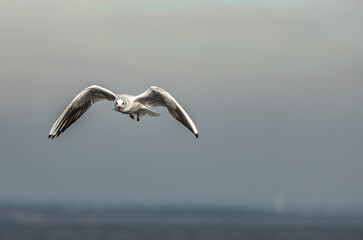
[124, 103]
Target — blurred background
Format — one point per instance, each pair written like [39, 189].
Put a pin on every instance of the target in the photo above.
[275, 89]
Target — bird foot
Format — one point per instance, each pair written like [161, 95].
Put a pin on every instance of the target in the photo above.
[132, 116]
[138, 118]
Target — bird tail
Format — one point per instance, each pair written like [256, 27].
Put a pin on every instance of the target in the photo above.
[147, 112]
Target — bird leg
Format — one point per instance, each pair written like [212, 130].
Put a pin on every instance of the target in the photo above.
[138, 118]
[132, 116]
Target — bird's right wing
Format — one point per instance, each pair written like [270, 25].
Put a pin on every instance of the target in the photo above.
[156, 97]
[79, 105]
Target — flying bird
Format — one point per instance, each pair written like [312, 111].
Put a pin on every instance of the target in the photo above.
[123, 103]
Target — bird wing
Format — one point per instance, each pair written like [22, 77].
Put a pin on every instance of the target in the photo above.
[156, 97]
[79, 105]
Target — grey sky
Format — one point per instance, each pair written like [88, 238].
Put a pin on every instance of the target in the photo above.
[274, 89]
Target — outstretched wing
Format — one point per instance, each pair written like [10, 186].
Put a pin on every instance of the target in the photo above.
[79, 105]
[156, 97]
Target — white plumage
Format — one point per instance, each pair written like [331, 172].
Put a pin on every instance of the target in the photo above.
[127, 104]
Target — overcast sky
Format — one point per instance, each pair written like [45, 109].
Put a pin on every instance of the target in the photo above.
[275, 89]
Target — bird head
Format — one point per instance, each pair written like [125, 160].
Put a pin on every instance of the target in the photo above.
[119, 104]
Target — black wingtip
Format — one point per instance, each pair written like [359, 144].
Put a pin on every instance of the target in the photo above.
[196, 135]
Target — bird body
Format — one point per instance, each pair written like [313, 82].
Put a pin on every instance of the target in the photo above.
[123, 103]
[132, 106]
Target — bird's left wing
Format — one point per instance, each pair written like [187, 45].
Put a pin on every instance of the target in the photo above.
[79, 105]
[156, 97]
